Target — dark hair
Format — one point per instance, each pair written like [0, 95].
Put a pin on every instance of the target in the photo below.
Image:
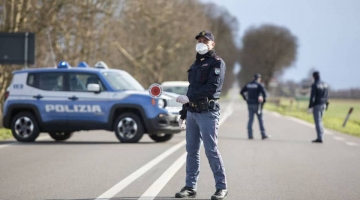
[316, 74]
[256, 76]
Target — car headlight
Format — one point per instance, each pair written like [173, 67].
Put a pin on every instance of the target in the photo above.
[162, 103]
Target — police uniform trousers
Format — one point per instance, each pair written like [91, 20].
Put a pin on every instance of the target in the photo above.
[318, 111]
[253, 109]
[203, 127]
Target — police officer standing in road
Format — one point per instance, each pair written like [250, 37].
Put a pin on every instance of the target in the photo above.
[256, 98]
[318, 104]
[201, 111]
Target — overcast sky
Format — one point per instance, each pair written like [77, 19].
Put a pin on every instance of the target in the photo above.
[328, 33]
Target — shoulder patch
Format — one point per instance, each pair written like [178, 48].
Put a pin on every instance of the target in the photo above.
[217, 57]
[217, 70]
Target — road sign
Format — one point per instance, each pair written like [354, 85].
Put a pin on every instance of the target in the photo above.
[17, 48]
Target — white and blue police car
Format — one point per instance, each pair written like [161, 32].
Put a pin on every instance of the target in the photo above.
[66, 99]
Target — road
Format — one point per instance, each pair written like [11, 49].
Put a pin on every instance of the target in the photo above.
[94, 165]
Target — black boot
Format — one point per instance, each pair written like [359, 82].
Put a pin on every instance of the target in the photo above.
[317, 141]
[266, 137]
[220, 194]
[186, 192]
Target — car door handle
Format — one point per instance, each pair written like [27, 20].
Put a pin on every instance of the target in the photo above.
[38, 96]
[73, 98]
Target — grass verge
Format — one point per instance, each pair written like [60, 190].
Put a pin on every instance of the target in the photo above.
[5, 133]
[333, 118]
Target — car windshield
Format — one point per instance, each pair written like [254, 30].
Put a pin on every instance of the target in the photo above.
[176, 89]
[122, 81]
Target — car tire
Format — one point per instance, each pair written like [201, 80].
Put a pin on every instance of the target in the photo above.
[24, 127]
[60, 136]
[129, 128]
[161, 137]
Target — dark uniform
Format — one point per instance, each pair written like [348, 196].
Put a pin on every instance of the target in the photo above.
[254, 89]
[206, 78]
[318, 102]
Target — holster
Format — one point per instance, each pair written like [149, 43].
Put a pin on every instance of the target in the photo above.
[203, 105]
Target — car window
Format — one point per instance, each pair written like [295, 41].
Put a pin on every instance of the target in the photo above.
[51, 81]
[176, 89]
[79, 81]
[122, 81]
[31, 80]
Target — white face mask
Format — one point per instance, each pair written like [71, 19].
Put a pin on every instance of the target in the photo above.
[201, 48]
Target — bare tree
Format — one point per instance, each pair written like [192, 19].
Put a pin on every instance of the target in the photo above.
[73, 39]
[267, 49]
[152, 40]
[224, 27]
[157, 40]
[15, 16]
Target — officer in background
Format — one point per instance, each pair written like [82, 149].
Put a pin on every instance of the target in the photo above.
[201, 111]
[318, 104]
[255, 103]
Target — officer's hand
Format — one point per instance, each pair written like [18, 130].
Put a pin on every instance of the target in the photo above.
[310, 110]
[260, 99]
[182, 124]
[182, 99]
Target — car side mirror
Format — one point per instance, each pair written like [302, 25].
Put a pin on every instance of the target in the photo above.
[93, 87]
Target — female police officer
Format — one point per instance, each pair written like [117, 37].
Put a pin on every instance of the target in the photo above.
[201, 112]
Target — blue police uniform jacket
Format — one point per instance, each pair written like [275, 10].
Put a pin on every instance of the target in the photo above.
[253, 89]
[319, 93]
[206, 78]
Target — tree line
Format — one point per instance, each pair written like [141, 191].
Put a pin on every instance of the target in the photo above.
[152, 40]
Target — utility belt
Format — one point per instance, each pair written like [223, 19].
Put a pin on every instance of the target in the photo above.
[203, 105]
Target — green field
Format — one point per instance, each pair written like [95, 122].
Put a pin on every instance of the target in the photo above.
[333, 117]
[5, 134]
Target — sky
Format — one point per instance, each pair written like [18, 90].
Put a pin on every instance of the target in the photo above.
[328, 33]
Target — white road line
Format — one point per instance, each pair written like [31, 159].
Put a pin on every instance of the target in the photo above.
[12, 143]
[6, 145]
[135, 175]
[160, 183]
[339, 138]
[352, 144]
[229, 110]
[300, 121]
[328, 133]
[275, 114]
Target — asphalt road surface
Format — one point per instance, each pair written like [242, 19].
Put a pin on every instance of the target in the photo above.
[94, 165]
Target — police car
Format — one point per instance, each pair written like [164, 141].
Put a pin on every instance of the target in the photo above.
[66, 99]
